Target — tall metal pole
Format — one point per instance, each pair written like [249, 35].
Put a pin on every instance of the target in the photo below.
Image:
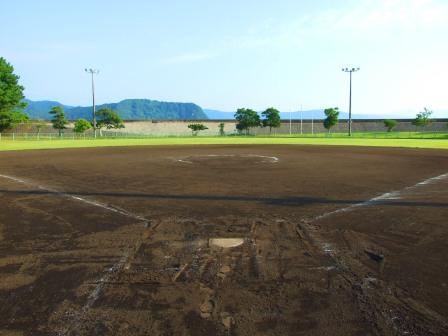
[350, 99]
[350, 107]
[93, 72]
[301, 119]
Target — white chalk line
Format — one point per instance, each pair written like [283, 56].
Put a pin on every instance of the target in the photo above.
[75, 197]
[94, 295]
[271, 159]
[388, 196]
[327, 247]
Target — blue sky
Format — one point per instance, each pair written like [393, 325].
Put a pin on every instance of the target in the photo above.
[229, 54]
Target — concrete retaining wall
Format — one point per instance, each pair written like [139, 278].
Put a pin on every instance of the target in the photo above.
[178, 128]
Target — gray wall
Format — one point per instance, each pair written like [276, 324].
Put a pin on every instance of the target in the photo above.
[162, 128]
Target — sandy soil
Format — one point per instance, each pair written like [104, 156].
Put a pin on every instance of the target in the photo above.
[224, 240]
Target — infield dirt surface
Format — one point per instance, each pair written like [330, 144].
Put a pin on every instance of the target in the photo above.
[224, 240]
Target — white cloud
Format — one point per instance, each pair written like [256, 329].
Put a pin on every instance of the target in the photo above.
[393, 14]
[367, 17]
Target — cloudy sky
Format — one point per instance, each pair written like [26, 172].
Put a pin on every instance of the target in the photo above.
[234, 53]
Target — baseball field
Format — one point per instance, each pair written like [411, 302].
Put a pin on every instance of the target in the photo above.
[238, 237]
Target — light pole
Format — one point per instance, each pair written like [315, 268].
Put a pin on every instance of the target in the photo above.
[93, 72]
[350, 99]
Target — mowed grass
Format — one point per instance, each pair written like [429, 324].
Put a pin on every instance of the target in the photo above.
[7, 145]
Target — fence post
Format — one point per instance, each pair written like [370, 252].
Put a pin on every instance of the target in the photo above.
[13, 136]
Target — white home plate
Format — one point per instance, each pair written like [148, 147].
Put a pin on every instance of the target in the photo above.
[226, 242]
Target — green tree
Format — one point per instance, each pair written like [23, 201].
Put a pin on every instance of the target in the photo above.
[246, 119]
[196, 128]
[82, 125]
[11, 93]
[332, 118]
[59, 121]
[11, 119]
[390, 124]
[11, 96]
[109, 119]
[271, 118]
[423, 118]
[221, 129]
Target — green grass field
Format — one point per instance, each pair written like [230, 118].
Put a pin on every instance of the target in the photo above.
[6, 145]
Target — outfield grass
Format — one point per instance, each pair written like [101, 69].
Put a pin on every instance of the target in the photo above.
[6, 145]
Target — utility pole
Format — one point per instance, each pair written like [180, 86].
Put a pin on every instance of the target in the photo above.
[350, 99]
[93, 72]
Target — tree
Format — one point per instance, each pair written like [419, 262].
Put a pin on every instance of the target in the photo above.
[11, 96]
[11, 93]
[246, 118]
[109, 119]
[11, 119]
[331, 120]
[59, 122]
[221, 129]
[195, 128]
[423, 118]
[82, 125]
[390, 124]
[271, 118]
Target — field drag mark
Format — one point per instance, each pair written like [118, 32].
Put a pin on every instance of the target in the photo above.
[389, 308]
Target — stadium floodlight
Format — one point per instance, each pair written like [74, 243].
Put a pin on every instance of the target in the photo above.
[93, 72]
[350, 98]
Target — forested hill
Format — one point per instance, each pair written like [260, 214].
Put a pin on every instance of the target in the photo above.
[129, 109]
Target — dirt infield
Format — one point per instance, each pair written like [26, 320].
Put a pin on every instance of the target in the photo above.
[224, 240]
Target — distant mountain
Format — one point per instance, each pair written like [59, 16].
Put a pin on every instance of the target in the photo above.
[40, 109]
[144, 109]
[129, 109]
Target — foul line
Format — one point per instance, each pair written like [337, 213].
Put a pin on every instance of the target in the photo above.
[77, 198]
[328, 249]
[94, 295]
[393, 195]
